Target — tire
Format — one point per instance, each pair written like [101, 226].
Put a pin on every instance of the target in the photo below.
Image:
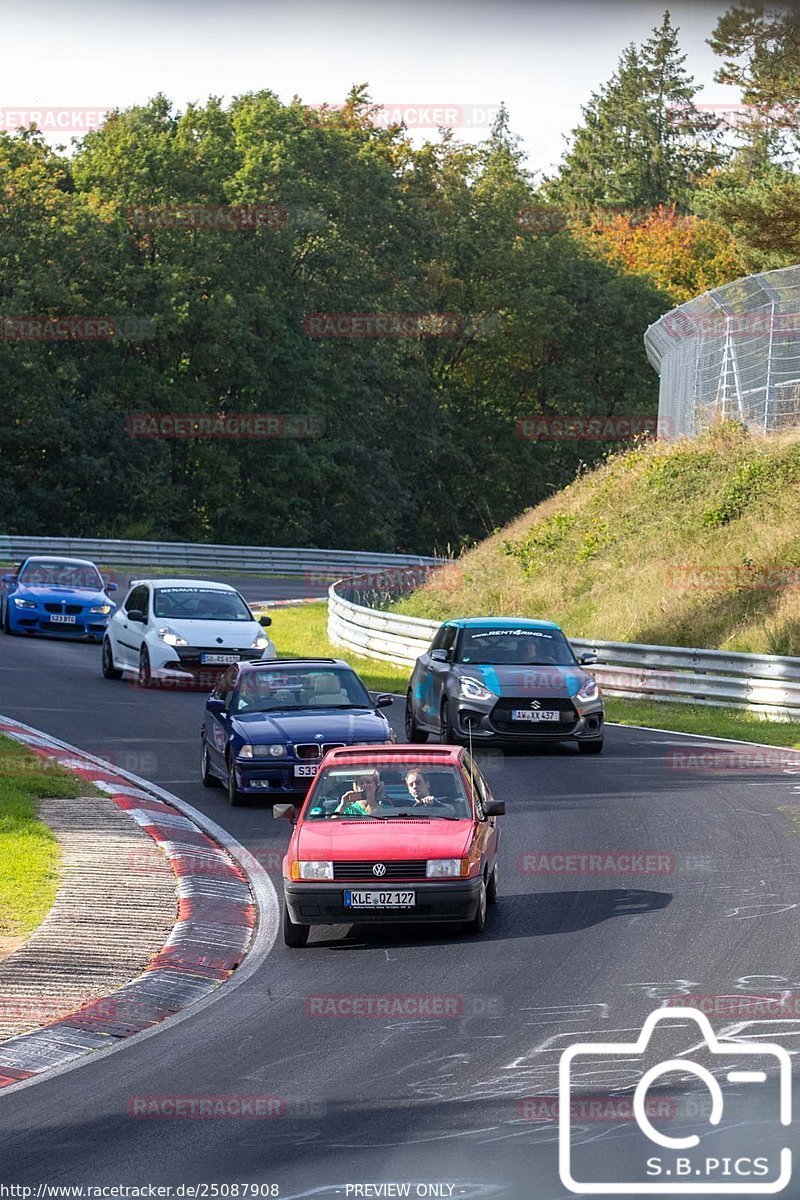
[491, 887]
[446, 735]
[294, 936]
[235, 797]
[109, 670]
[595, 747]
[412, 729]
[206, 777]
[478, 923]
[144, 678]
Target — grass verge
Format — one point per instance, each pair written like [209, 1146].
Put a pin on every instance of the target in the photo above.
[29, 853]
[300, 631]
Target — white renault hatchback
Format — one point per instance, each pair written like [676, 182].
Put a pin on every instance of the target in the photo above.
[182, 631]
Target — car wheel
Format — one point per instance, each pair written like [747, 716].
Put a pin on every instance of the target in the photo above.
[478, 922]
[145, 677]
[595, 747]
[413, 731]
[235, 797]
[491, 887]
[109, 670]
[294, 935]
[446, 735]
[208, 779]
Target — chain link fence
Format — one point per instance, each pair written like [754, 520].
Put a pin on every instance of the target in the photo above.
[733, 352]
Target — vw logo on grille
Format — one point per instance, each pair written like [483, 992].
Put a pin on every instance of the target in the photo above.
[535, 704]
[379, 869]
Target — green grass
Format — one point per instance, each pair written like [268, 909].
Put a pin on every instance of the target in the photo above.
[709, 722]
[29, 853]
[303, 630]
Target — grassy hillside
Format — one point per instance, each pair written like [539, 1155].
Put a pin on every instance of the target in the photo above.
[695, 543]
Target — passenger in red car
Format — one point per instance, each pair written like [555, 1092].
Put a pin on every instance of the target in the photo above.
[364, 799]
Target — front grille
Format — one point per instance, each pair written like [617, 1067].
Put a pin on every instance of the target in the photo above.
[190, 655]
[73, 609]
[315, 750]
[503, 722]
[403, 869]
[54, 608]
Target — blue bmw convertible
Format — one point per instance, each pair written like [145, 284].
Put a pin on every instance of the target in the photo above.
[267, 726]
[63, 596]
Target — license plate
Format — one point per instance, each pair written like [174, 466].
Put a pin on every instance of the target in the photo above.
[305, 771]
[380, 899]
[62, 620]
[219, 660]
[535, 714]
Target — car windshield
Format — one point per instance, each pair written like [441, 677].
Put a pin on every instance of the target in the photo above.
[400, 791]
[522, 647]
[57, 573]
[271, 688]
[199, 604]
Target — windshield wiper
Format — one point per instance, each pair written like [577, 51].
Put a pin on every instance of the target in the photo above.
[403, 816]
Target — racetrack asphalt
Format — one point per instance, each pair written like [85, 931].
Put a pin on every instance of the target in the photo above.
[565, 958]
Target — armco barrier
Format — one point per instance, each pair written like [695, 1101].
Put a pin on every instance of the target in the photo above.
[762, 683]
[261, 560]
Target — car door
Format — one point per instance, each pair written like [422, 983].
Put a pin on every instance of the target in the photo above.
[488, 832]
[217, 725]
[128, 634]
[439, 672]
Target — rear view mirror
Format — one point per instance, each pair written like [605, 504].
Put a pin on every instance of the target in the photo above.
[284, 812]
[265, 621]
[440, 656]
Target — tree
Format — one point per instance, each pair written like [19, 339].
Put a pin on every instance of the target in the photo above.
[642, 142]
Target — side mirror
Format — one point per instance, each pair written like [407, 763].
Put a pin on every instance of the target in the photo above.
[497, 808]
[588, 658]
[112, 587]
[136, 614]
[284, 812]
[265, 621]
[384, 700]
[440, 656]
[215, 704]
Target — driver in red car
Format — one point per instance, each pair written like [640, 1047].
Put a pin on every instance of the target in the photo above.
[419, 787]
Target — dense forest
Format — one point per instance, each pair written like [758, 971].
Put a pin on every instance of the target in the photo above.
[388, 314]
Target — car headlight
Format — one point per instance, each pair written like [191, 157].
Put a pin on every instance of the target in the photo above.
[473, 689]
[249, 751]
[23, 603]
[101, 608]
[260, 642]
[589, 691]
[245, 751]
[445, 868]
[170, 638]
[312, 870]
[277, 750]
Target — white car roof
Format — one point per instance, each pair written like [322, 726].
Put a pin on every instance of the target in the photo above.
[211, 584]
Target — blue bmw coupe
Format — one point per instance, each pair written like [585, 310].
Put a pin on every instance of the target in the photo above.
[67, 597]
[267, 726]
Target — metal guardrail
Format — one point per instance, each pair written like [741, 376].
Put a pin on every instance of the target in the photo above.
[261, 560]
[762, 683]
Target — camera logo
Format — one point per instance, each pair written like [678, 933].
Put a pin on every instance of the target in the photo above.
[675, 1169]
